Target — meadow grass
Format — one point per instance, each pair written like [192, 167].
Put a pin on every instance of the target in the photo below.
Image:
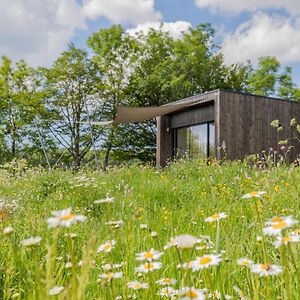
[171, 202]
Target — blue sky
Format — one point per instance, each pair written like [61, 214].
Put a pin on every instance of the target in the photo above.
[38, 30]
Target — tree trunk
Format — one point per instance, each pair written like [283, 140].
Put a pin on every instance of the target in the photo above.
[109, 147]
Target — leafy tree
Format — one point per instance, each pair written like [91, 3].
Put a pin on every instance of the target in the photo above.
[286, 87]
[262, 81]
[20, 103]
[114, 56]
[72, 85]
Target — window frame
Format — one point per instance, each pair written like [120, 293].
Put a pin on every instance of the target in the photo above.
[208, 145]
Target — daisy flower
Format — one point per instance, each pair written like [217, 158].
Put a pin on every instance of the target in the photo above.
[107, 247]
[285, 240]
[204, 243]
[149, 255]
[254, 194]
[265, 269]
[136, 285]
[56, 290]
[274, 220]
[205, 261]
[166, 281]
[185, 266]
[215, 294]
[216, 217]
[275, 228]
[143, 226]
[148, 267]
[105, 200]
[110, 276]
[8, 230]
[118, 266]
[31, 241]
[64, 218]
[188, 293]
[68, 265]
[167, 292]
[185, 241]
[240, 293]
[115, 224]
[244, 262]
[153, 234]
[171, 243]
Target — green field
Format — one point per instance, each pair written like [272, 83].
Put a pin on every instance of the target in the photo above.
[171, 202]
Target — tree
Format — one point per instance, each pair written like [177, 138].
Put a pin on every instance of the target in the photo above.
[286, 87]
[114, 56]
[20, 103]
[72, 85]
[262, 81]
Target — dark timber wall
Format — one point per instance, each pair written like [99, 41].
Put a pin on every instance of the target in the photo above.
[242, 121]
[245, 123]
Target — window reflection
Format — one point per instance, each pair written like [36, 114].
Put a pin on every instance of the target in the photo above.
[195, 141]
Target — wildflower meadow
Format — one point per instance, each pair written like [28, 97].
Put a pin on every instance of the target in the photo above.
[190, 231]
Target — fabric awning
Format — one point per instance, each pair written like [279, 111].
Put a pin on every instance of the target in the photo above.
[127, 114]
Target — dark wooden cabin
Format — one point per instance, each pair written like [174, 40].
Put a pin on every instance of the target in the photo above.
[224, 122]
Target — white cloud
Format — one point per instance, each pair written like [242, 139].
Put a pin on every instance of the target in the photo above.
[39, 30]
[264, 35]
[36, 30]
[119, 11]
[238, 6]
[174, 28]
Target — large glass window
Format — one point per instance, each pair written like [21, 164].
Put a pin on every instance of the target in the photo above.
[196, 141]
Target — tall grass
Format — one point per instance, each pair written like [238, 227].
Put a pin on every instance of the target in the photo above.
[170, 202]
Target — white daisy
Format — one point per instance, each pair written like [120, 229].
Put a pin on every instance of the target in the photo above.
[188, 293]
[143, 226]
[171, 243]
[136, 285]
[167, 292]
[8, 230]
[215, 294]
[149, 255]
[205, 261]
[240, 293]
[285, 240]
[280, 219]
[266, 269]
[186, 265]
[107, 247]
[115, 224]
[68, 265]
[185, 241]
[64, 218]
[148, 267]
[111, 276]
[276, 228]
[118, 266]
[153, 234]
[166, 281]
[204, 243]
[31, 241]
[105, 200]
[244, 262]
[216, 217]
[254, 194]
[56, 290]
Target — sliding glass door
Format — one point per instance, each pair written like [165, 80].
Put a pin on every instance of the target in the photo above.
[196, 141]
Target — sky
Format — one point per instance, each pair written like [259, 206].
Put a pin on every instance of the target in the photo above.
[39, 30]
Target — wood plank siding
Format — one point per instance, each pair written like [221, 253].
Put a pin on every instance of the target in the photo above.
[245, 123]
[241, 120]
